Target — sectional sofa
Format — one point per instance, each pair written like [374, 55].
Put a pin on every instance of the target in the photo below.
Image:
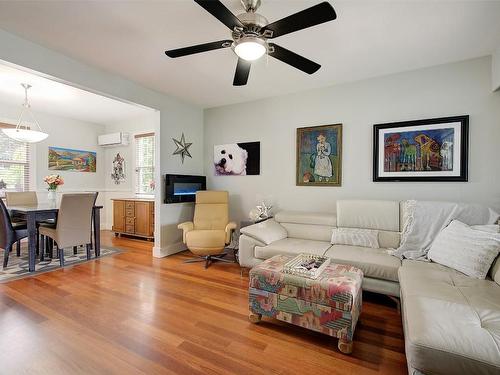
[451, 321]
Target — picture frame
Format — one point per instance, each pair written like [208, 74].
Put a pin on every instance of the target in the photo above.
[67, 159]
[319, 155]
[434, 150]
[237, 159]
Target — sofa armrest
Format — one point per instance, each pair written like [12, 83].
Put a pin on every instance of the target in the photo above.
[230, 227]
[267, 231]
[246, 251]
[187, 226]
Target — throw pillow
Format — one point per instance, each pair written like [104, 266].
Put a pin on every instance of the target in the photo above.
[355, 237]
[268, 231]
[465, 249]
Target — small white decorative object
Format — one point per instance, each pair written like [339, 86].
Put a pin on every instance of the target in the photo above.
[264, 211]
[254, 214]
[306, 265]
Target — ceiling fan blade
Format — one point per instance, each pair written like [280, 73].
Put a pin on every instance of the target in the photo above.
[291, 58]
[242, 72]
[198, 48]
[219, 11]
[312, 16]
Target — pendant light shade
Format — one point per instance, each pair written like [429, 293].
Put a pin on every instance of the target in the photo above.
[26, 134]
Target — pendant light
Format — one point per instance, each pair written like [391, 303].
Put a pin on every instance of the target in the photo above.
[26, 134]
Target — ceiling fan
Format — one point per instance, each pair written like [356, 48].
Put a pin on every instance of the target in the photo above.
[251, 31]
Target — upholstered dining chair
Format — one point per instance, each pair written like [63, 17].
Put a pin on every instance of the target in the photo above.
[20, 198]
[10, 232]
[73, 226]
[210, 231]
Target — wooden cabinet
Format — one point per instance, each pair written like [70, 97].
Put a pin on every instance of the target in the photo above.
[134, 217]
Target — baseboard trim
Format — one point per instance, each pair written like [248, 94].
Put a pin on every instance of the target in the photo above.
[161, 252]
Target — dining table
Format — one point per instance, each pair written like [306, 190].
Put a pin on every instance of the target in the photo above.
[49, 210]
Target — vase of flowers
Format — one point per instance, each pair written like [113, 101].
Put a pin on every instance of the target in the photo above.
[53, 181]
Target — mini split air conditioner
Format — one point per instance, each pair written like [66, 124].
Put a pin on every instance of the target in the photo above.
[113, 139]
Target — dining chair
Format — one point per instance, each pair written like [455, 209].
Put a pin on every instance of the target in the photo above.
[10, 233]
[20, 198]
[73, 226]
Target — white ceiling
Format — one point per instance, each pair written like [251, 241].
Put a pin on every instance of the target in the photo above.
[369, 38]
[59, 99]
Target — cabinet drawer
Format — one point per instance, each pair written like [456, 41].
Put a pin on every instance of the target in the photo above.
[129, 221]
[129, 212]
[129, 204]
[129, 228]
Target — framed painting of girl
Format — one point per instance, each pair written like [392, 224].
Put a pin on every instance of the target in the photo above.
[319, 155]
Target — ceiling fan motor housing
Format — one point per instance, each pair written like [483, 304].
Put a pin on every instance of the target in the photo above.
[250, 5]
[253, 23]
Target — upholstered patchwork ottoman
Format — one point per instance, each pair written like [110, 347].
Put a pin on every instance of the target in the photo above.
[330, 304]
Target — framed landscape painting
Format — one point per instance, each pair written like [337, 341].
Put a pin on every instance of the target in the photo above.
[319, 156]
[422, 150]
[65, 159]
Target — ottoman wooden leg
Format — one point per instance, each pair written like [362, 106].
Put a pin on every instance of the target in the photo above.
[254, 318]
[345, 346]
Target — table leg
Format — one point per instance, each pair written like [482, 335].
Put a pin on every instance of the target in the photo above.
[345, 346]
[97, 232]
[254, 318]
[32, 234]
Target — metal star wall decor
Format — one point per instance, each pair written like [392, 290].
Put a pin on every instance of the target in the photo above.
[182, 148]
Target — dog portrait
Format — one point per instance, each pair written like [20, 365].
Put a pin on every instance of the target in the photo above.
[237, 159]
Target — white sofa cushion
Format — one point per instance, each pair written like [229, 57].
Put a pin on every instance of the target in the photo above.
[291, 246]
[368, 214]
[465, 249]
[308, 231]
[375, 263]
[389, 239]
[451, 321]
[268, 231]
[303, 217]
[355, 237]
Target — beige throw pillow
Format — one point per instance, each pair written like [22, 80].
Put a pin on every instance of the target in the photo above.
[465, 249]
[355, 237]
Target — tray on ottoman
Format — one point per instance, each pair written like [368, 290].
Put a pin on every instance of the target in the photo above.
[330, 304]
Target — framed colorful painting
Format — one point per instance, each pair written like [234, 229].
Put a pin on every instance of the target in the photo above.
[422, 150]
[65, 159]
[319, 155]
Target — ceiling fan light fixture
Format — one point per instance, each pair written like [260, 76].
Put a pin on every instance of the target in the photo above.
[250, 48]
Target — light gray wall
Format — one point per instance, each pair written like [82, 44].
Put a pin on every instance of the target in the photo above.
[175, 115]
[126, 188]
[447, 90]
[67, 133]
[495, 70]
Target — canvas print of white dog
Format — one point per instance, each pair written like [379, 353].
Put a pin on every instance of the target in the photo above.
[237, 159]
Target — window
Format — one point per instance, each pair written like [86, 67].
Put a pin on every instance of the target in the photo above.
[144, 163]
[14, 163]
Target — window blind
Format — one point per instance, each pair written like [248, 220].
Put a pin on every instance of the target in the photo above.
[14, 163]
[144, 163]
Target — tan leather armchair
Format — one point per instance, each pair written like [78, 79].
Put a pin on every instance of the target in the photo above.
[210, 231]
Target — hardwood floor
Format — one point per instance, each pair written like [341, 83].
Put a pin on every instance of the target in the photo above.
[131, 313]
